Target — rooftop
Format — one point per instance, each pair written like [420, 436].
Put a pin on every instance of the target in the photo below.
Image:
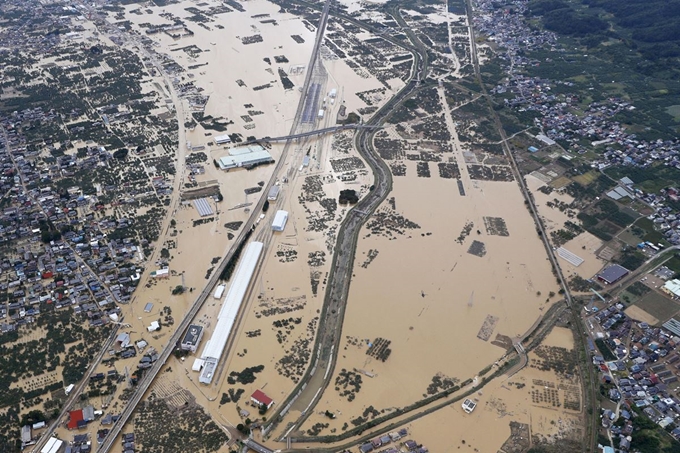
[673, 286]
[193, 334]
[243, 159]
[261, 398]
[613, 273]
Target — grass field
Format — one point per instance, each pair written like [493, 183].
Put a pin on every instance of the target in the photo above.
[650, 233]
[629, 238]
[628, 298]
[674, 263]
[658, 306]
[674, 111]
[586, 178]
[560, 182]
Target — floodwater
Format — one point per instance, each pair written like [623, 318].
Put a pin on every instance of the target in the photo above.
[585, 245]
[504, 400]
[426, 294]
[439, 306]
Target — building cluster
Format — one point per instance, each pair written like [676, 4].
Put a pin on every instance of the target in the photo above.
[507, 27]
[81, 443]
[45, 18]
[389, 443]
[639, 374]
[596, 125]
[60, 247]
[57, 249]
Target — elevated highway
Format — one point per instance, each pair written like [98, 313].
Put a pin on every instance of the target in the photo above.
[311, 386]
[259, 448]
[327, 130]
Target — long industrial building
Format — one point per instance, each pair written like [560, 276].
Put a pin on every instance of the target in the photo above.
[230, 307]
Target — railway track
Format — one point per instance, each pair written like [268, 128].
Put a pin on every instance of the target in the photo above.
[151, 374]
[585, 371]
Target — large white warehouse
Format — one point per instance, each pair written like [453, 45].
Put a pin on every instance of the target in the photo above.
[230, 307]
[280, 220]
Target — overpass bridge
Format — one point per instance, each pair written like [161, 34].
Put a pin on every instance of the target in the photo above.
[259, 448]
[327, 130]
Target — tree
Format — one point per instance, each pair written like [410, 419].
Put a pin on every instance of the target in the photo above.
[120, 154]
[32, 417]
[348, 196]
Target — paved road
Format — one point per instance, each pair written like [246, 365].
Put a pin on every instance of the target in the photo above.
[327, 130]
[259, 448]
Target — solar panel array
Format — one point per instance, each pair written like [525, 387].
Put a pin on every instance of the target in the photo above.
[569, 257]
[203, 207]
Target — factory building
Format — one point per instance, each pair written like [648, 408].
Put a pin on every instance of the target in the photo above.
[230, 308]
[672, 287]
[247, 159]
[53, 445]
[612, 274]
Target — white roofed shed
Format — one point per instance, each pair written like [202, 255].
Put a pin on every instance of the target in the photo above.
[280, 220]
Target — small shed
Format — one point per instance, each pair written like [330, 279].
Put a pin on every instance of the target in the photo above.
[26, 434]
